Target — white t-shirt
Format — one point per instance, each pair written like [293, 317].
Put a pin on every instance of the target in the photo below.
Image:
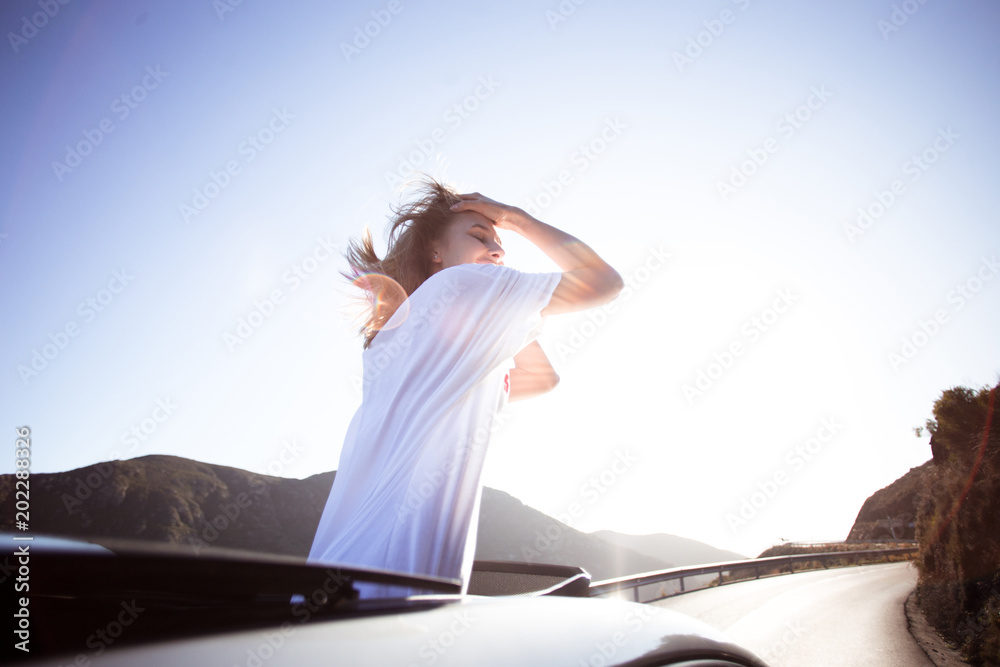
[406, 494]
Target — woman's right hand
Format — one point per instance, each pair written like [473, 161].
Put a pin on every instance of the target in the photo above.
[503, 216]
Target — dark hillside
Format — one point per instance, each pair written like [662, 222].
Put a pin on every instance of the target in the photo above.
[201, 505]
[891, 512]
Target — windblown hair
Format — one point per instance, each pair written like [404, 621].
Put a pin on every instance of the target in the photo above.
[407, 264]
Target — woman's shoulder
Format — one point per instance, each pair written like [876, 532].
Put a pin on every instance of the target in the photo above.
[473, 282]
[462, 276]
[489, 270]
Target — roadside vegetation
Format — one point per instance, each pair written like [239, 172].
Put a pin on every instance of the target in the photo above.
[958, 523]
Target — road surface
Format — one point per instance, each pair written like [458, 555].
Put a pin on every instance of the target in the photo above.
[844, 617]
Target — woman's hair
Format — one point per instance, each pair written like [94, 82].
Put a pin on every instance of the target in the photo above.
[407, 264]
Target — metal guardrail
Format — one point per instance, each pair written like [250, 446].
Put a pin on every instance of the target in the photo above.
[635, 582]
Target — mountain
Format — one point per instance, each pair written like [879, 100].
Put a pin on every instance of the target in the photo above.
[177, 500]
[202, 505]
[510, 530]
[890, 513]
[679, 551]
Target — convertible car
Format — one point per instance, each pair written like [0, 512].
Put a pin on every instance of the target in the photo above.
[137, 603]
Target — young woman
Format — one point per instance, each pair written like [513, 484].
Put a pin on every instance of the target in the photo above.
[450, 339]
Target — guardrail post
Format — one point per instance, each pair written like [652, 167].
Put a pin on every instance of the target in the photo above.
[682, 584]
[791, 565]
[635, 593]
[720, 576]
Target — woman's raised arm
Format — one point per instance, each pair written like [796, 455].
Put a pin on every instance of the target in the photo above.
[587, 280]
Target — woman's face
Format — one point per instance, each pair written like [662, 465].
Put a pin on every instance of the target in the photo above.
[470, 239]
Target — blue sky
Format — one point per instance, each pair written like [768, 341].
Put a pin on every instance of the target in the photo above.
[179, 178]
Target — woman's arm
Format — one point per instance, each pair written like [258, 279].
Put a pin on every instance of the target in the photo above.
[532, 374]
[587, 279]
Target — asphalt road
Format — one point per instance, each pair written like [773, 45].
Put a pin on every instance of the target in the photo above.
[844, 617]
